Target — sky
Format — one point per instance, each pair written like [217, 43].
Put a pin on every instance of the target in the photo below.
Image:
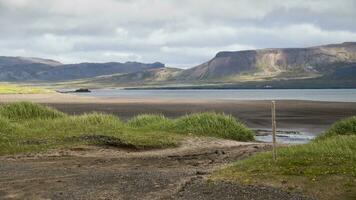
[179, 33]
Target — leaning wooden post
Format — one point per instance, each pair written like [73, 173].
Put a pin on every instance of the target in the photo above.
[274, 130]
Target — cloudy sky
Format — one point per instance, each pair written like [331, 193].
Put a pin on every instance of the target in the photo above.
[180, 33]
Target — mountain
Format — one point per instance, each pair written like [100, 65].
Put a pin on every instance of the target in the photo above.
[17, 61]
[89, 70]
[20, 69]
[327, 66]
[262, 64]
[144, 77]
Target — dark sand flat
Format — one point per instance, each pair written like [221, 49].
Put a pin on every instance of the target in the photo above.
[308, 116]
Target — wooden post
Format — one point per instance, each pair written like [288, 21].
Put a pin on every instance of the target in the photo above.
[274, 130]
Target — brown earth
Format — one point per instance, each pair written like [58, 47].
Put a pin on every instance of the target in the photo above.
[106, 173]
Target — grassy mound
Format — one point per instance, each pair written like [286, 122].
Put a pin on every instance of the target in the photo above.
[343, 127]
[26, 110]
[32, 127]
[150, 121]
[324, 168]
[73, 125]
[214, 125]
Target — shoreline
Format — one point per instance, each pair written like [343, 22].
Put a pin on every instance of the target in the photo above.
[295, 115]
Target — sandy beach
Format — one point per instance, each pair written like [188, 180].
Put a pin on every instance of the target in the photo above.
[306, 116]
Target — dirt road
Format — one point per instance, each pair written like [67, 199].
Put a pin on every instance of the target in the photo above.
[107, 173]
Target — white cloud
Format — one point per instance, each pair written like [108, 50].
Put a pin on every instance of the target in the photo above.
[177, 32]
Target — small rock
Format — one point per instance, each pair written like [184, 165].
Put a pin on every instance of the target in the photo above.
[219, 152]
[201, 172]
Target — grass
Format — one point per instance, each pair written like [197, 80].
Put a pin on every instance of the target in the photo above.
[214, 125]
[29, 127]
[342, 127]
[26, 110]
[324, 168]
[208, 124]
[16, 89]
[150, 121]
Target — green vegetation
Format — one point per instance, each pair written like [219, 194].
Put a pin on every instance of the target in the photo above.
[150, 121]
[324, 168]
[26, 127]
[343, 127]
[15, 89]
[25, 110]
[202, 124]
[214, 125]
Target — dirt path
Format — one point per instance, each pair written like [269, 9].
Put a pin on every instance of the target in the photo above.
[106, 173]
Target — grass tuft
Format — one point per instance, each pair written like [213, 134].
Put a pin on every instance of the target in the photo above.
[342, 127]
[214, 125]
[151, 121]
[26, 110]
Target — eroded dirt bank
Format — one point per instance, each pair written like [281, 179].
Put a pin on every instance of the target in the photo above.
[107, 173]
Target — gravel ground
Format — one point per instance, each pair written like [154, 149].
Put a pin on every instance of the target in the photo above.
[110, 173]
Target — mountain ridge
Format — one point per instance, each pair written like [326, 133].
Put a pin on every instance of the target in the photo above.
[335, 63]
[28, 69]
[273, 61]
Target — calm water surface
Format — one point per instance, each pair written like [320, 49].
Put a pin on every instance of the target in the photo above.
[339, 95]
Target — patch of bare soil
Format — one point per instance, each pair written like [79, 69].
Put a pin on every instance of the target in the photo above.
[89, 172]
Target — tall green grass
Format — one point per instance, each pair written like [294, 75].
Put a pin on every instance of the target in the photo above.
[214, 125]
[343, 127]
[151, 121]
[325, 167]
[26, 110]
[203, 124]
[25, 126]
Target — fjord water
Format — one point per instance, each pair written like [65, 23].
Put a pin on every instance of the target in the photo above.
[334, 95]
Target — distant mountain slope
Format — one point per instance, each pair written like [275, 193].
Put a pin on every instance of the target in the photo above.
[294, 62]
[22, 69]
[149, 76]
[89, 70]
[327, 66]
[322, 66]
[19, 69]
[10, 61]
